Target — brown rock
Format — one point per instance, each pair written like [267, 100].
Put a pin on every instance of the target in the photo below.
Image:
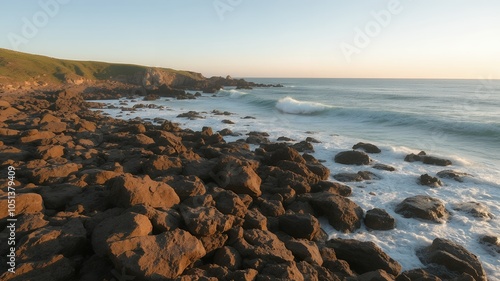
[57, 196]
[26, 203]
[299, 225]
[128, 190]
[425, 179]
[229, 203]
[262, 244]
[423, 207]
[417, 275]
[46, 152]
[213, 242]
[305, 250]
[332, 187]
[233, 174]
[162, 165]
[118, 228]
[281, 271]
[255, 219]
[162, 220]
[29, 222]
[174, 250]
[352, 158]
[52, 268]
[367, 147]
[228, 256]
[186, 186]
[384, 167]
[54, 127]
[450, 174]
[357, 253]
[476, 209]
[35, 135]
[285, 153]
[342, 213]
[53, 174]
[379, 219]
[205, 221]
[47, 118]
[68, 240]
[453, 257]
[85, 126]
[377, 275]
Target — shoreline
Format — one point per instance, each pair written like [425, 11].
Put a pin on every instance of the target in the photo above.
[80, 171]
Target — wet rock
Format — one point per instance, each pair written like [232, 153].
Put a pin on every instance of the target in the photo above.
[426, 159]
[423, 207]
[450, 174]
[343, 214]
[353, 177]
[299, 225]
[27, 203]
[303, 146]
[313, 140]
[235, 175]
[476, 209]
[352, 158]
[430, 181]
[384, 167]
[357, 253]
[367, 147]
[417, 275]
[492, 242]
[205, 221]
[332, 187]
[193, 115]
[174, 250]
[128, 190]
[119, 228]
[379, 219]
[452, 257]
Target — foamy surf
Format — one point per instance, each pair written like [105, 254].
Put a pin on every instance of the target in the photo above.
[293, 106]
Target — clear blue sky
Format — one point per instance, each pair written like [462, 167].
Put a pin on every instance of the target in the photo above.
[257, 38]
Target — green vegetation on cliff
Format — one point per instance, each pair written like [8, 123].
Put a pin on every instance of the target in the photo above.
[18, 68]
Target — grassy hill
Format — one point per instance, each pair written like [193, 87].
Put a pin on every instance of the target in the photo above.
[18, 68]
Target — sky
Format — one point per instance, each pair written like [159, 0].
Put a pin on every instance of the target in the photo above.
[265, 38]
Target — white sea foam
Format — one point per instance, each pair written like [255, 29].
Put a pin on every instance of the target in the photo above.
[410, 234]
[293, 106]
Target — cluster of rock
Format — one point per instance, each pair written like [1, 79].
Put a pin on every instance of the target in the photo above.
[101, 198]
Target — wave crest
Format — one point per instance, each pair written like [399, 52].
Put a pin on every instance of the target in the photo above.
[293, 106]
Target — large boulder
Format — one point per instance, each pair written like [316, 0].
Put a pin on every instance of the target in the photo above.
[262, 244]
[352, 157]
[53, 174]
[367, 147]
[238, 176]
[363, 256]
[119, 228]
[205, 221]
[128, 190]
[305, 250]
[379, 219]
[141, 256]
[423, 207]
[58, 196]
[453, 257]
[55, 268]
[161, 165]
[343, 214]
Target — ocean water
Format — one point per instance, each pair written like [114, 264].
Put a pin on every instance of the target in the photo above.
[454, 119]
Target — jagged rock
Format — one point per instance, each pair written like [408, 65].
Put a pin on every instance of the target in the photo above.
[426, 159]
[262, 244]
[299, 225]
[255, 219]
[229, 203]
[357, 253]
[379, 219]
[231, 173]
[46, 152]
[187, 186]
[29, 222]
[205, 221]
[476, 209]
[367, 147]
[174, 250]
[27, 203]
[213, 242]
[162, 220]
[423, 207]
[303, 146]
[229, 257]
[128, 190]
[286, 153]
[54, 127]
[305, 250]
[492, 242]
[425, 179]
[68, 240]
[119, 228]
[452, 257]
[352, 158]
[343, 214]
[280, 271]
[35, 135]
[458, 176]
[161, 165]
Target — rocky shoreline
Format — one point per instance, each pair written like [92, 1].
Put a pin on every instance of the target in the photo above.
[99, 198]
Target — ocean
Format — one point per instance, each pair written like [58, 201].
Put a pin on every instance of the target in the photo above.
[454, 119]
